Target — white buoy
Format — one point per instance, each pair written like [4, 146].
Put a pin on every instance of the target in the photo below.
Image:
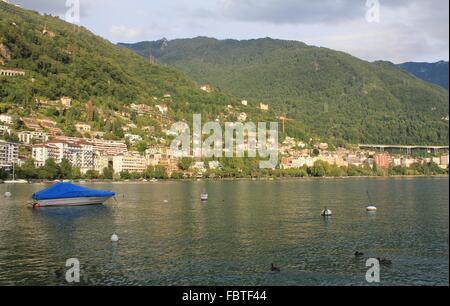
[114, 238]
[326, 213]
[8, 194]
[371, 208]
[165, 201]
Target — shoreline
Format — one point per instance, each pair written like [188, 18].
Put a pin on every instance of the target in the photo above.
[266, 179]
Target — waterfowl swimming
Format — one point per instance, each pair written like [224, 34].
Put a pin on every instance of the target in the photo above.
[59, 273]
[274, 269]
[384, 261]
[326, 213]
[358, 254]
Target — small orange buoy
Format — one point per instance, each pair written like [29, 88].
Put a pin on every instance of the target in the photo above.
[36, 205]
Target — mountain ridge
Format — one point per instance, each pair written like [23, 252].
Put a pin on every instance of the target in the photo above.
[435, 73]
[334, 93]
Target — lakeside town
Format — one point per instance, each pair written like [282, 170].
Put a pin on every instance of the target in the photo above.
[40, 150]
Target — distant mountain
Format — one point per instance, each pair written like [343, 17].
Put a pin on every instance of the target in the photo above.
[330, 93]
[436, 73]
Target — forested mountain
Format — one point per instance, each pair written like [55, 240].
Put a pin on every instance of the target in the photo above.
[436, 73]
[60, 59]
[331, 93]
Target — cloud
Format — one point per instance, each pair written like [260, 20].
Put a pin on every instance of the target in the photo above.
[54, 7]
[303, 11]
[292, 11]
[407, 29]
[126, 33]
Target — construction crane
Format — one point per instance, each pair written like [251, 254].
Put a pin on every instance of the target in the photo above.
[283, 120]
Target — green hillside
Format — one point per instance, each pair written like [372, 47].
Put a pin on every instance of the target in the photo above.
[333, 94]
[61, 59]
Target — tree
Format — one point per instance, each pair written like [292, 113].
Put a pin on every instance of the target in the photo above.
[65, 169]
[28, 170]
[108, 173]
[92, 174]
[142, 147]
[160, 172]
[50, 169]
[3, 174]
[320, 169]
[185, 163]
[125, 175]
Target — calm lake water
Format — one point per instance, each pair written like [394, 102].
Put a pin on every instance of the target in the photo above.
[233, 239]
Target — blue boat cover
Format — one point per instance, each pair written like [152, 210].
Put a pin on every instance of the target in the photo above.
[67, 190]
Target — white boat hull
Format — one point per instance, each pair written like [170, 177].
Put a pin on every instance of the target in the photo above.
[71, 201]
[16, 182]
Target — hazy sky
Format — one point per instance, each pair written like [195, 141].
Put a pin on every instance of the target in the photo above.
[404, 30]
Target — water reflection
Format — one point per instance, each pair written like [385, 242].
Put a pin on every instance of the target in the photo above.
[169, 237]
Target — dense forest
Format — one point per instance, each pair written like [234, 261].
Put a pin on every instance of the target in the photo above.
[332, 94]
[436, 73]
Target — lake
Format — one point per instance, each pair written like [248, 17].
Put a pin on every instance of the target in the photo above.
[168, 237]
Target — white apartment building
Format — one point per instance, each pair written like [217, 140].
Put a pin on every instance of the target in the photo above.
[28, 137]
[101, 161]
[4, 129]
[131, 162]
[7, 119]
[42, 152]
[9, 153]
[79, 155]
[110, 148]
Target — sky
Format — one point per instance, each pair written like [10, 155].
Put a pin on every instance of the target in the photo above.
[393, 30]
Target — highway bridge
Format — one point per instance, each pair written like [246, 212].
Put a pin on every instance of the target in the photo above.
[409, 149]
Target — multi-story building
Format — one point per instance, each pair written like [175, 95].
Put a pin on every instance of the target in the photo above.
[42, 152]
[382, 160]
[31, 124]
[9, 153]
[299, 162]
[28, 137]
[106, 147]
[110, 148]
[101, 161]
[66, 102]
[131, 162]
[444, 161]
[408, 162]
[4, 129]
[79, 154]
[7, 119]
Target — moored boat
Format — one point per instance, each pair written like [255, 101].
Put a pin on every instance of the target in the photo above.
[66, 194]
[16, 182]
[204, 196]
